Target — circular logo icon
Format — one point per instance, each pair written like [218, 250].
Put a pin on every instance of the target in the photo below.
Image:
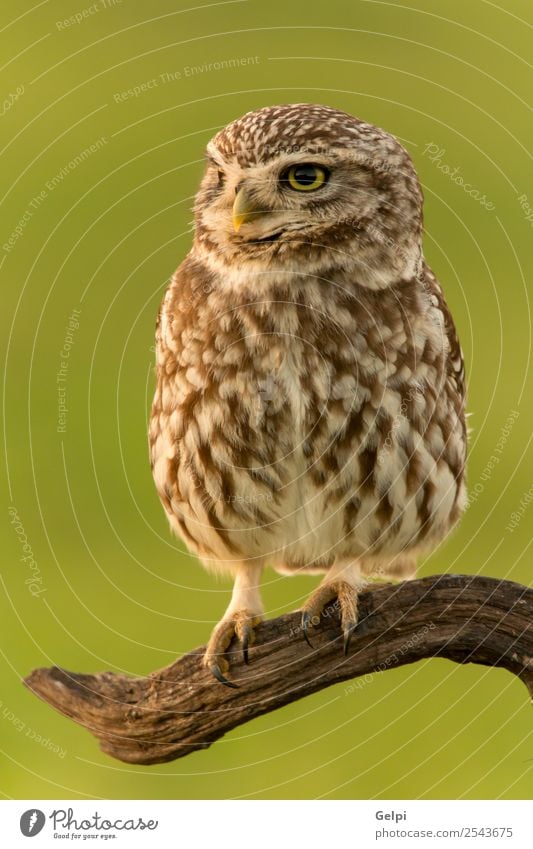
[32, 822]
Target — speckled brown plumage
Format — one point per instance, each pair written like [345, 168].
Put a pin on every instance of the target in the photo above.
[309, 409]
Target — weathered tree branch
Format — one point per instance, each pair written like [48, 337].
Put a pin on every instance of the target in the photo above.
[181, 708]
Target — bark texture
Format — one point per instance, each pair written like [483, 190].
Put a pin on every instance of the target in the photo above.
[181, 708]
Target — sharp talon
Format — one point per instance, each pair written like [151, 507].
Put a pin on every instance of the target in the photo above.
[215, 669]
[348, 637]
[238, 627]
[306, 619]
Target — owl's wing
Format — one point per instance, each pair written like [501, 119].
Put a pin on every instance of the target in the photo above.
[455, 362]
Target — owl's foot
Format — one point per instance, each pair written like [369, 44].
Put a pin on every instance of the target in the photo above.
[239, 624]
[346, 595]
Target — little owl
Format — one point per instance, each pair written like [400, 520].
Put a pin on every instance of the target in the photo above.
[309, 409]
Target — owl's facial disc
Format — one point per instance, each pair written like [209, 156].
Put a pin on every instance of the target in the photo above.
[303, 206]
[304, 186]
[277, 201]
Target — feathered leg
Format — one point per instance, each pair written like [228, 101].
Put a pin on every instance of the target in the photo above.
[244, 612]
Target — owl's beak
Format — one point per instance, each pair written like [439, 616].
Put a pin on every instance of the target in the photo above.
[244, 209]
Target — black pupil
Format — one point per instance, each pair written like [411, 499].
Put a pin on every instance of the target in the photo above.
[305, 174]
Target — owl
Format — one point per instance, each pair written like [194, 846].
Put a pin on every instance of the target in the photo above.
[309, 406]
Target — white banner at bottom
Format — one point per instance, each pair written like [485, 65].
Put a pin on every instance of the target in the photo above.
[268, 824]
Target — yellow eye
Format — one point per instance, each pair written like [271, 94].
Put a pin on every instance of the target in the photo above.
[305, 177]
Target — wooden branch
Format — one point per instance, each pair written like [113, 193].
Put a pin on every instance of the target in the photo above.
[181, 708]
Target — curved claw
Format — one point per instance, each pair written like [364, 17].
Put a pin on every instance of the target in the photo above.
[306, 619]
[216, 671]
[346, 594]
[240, 626]
[348, 632]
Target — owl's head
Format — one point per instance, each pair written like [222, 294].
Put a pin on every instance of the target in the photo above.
[307, 187]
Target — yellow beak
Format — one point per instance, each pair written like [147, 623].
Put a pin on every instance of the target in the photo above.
[244, 209]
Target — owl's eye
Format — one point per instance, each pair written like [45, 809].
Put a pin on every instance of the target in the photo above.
[305, 177]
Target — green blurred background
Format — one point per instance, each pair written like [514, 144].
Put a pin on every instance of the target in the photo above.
[117, 592]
